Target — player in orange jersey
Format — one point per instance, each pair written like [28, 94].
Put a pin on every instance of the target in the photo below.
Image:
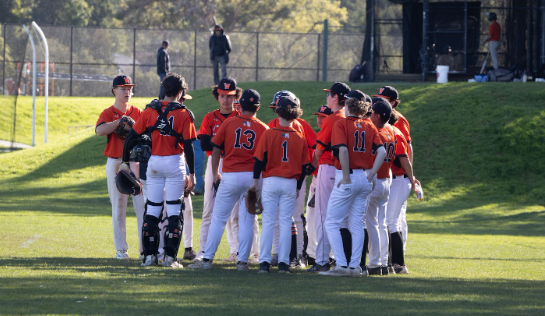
[336, 97]
[354, 141]
[172, 134]
[237, 139]
[226, 92]
[105, 126]
[282, 156]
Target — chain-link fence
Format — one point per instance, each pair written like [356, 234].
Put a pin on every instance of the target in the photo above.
[84, 60]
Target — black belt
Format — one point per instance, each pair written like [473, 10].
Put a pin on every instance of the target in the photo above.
[404, 176]
[352, 170]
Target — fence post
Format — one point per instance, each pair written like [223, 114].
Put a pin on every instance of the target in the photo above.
[324, 67]
[4, 63]
[134, 57]
[195, 61]
[257, 57]
[318, 58]
[372, 57]
[424, 52]
[542, 34]
[465, 36]
[71, 61]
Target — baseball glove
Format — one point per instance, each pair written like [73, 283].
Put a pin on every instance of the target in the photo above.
[124, 127]
[127, 183]
[253, 203]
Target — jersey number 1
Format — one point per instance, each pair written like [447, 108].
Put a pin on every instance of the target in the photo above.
[285, 151]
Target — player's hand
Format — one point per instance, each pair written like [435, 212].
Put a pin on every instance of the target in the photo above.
[217, 177]
[191, 181]
[344, 181]
[255, 183]
[414, 183]
[124, 166]
[370, 177]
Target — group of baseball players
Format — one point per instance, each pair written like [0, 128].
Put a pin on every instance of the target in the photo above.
[360, 163]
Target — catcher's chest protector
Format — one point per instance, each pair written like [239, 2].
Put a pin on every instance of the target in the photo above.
[164, 124]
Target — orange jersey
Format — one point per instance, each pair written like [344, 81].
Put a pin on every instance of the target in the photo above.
[238, 138]
[323, 140]
[302, 127]
[402, 150]
[212, 122]
[494, 31]
[114, 144]
[404, 127]
[283, 150]
[360, 137]
[387, 137]
[165, 145]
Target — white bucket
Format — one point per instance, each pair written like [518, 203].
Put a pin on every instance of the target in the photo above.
[442, 74]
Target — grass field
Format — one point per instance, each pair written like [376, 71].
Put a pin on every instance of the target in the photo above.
[476, 244]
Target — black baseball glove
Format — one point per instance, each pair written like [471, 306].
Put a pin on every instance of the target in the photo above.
[124, 127]
[127, 183]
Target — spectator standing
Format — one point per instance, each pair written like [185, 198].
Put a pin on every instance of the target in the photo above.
[220, 47]
[163, 65]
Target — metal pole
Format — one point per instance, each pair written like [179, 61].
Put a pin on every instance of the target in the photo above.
[134, 58]
[324, 65]
[257, 57]
[465, 36]
[424, 52]
[318, 58]
[33, 85]
[542, 33]
[4, 63]
[195, 61]
[535, 54]
[46, 48]
[71, 60]
[372, 57]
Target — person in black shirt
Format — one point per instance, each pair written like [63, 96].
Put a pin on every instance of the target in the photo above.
[220, 47]
[163, 65]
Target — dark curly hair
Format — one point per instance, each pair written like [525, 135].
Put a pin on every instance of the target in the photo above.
[289, 114]
[173, 84]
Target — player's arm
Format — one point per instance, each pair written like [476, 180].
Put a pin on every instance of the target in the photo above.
[408, 168]
[106, 128]
[379, 159]
[216, 155]
[345, 165]
[190, 159]
[318, 152]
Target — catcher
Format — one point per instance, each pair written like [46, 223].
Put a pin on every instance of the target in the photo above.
[114, 123]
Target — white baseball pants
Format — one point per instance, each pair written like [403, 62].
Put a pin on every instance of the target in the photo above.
[233, 188]
[348, 199]
[165, 181]
[278, 199]
[311, 228]
[119, 206]
[397, 206]
[232, 232]
[208, 203]
[375, 221]
[324, 185]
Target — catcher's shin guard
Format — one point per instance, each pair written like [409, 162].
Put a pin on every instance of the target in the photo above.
[347, 243]
[305, 236]
[293, 251]
[396, 242]
[173, 235]
[365, 250]
[150, 235]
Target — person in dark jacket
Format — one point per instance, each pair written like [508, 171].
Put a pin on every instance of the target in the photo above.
[220, 47]
[163, 66]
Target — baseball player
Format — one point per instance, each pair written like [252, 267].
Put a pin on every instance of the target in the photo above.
[325, 179]
[172, 135]
[105, 126]
[282, 156]
[310, 250]
[375, 218]
[402, 182]
[308, 132]
[226, 92]
[354, 141]
[391, 94]
[237, 138]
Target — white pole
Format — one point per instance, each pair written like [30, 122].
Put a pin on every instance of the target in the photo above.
[46, 48]
[33, 86]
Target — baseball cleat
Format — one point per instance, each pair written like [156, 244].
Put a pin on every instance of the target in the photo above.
[319, 268]
[232, 258]
[142, 256]
[401, 269]
[189, 254]
[242, 266]
[374, 271]
[171, 262]
[385, 270]
[356, 272]
[274, 260]
[201, 265]
[122, 255]
[337, 271]
[283, 267]
[254, 258]
[264, 267]
[391, 270]
[149, 260]
[199, 256]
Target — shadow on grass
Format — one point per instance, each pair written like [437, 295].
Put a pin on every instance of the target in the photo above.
[107, 286]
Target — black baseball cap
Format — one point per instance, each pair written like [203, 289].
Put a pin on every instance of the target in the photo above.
[250, 97]
[324, 111]
[227, 86]
[339, 88]
[122, 80]
[389, 92]
[356, 94]
[382, 107]
[287, 102]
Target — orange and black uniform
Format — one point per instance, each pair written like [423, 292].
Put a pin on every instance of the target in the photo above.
[323, 140]
[387, 137]
[209, 126]
[402, 150]
[114, 144]
[403, 125]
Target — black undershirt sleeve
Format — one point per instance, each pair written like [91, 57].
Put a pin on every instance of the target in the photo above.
[302, 177]
[129, 144]
[206, 143]
[260, 166]
[189, 155]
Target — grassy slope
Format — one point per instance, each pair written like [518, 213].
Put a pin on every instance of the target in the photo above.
[472, 241]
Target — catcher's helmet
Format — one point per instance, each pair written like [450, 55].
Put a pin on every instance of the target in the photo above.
[492, 16]
[282, 94]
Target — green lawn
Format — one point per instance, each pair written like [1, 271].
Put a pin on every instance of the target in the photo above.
[476, 243]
